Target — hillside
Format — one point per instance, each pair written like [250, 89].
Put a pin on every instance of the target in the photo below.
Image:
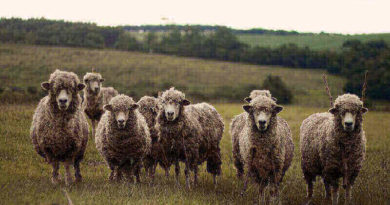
[23, 68]
[313, 41]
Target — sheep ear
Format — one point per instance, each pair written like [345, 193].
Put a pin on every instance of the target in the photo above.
[134, 106]
[159, 94]
[278, 108]
[364, 110]
[45, 85]
[247, 108]
[333, 110]
[102, 80]
[185, 102]
[80, 86]
[108, 107]
[274, 99]
[248, 99]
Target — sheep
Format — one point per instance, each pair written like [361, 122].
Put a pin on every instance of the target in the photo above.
[190, 134]
[95, 97]
[242, 117]
[255, 93]
[148, 107]
[262, 144]
[123, 138]
[59, 129]
[332, 145]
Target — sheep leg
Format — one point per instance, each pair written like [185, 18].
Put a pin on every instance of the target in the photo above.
[195, 175]
[348, 194]
[261, 192]
[327, 190]
[136, 173]
[68, 175]
[166, 172]
[335, 193]
[274, 192]
[177, 172]
[246, 179]
[56, 167]
[118, 174]
[187, 174]
[77, 172]
[93, 122]
[129, 174]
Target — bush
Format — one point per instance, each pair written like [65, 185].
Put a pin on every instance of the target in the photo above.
[278, 89]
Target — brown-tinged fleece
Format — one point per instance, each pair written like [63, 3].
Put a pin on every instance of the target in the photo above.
[59, 129]
[123, 138]
[262, 150]
[189, 133]
[333, 146]
[148, 107]
[95, 97]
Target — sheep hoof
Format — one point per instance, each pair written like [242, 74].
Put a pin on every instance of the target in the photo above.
[68, 182]
[79, 179]
[55, 180]
[309, 202]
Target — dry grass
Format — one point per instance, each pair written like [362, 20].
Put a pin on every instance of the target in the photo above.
[137, 74]
[24, 178]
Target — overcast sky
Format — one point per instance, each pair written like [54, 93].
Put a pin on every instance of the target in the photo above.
[341, 16]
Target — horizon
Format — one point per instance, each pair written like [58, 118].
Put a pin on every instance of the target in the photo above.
[307, 16]
[170, 24]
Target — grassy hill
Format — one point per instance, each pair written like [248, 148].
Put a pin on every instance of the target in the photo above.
[23, 68]
[313, 41]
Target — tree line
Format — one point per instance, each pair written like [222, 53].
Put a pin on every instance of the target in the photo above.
[351, 61]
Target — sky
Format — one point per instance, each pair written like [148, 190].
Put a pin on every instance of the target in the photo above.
[334, 16]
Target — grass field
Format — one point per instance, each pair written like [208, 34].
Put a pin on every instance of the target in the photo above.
[137, 74]
[24, 177]
[316, 41]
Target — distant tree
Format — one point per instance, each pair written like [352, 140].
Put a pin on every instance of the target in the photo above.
[127, 42]
[278, 89]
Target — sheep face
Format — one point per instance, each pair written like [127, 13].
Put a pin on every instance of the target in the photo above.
[93, 81]
[63, 91]
[171, 104]
[121, 113]
[63, 99]
[261, 110]
[348, 110]
[172, 108]
[122, 109]
[348, 115]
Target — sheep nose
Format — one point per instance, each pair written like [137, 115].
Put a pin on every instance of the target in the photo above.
[96, 89]
[262, 122]
[348, 124]
[63, 101]
[170, 113]
[121, 121]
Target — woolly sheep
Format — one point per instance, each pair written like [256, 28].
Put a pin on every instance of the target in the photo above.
[148, 107]
[123, 138]
[262, 144]
[95, 97]
[190, 134]
[59, 129]
[333, 145]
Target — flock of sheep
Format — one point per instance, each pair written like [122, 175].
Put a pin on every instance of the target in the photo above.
[169, 129]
